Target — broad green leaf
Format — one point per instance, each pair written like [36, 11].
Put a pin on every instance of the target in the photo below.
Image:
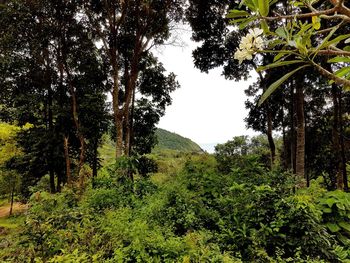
[237, 13]
[251, 4]
[278, 83]
[264, 26]
[263, 7]
[324, 42]
[281, 55]
[342, 72]
[336, 40]
[339, 59]
[327, 210]
[246, 22]
[281, 32]
[340, 206]
[344, 225]
[333, 227]
[278, 64]
[347, 48]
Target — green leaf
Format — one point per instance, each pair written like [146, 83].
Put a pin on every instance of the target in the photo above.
[281, 32]
[339, 59]
[342, 72]
[237, 13]
[278, 83]
[246, 22]
[324, 42]
[333, 227]
[278, 64]
[344, 225]
[265, 26]
[327, 210]
[263, 7]
[336, 40]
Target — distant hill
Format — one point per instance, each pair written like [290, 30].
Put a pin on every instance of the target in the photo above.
[166, 141]
[172, 141]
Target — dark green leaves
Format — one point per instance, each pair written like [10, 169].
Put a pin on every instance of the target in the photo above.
[276, 84]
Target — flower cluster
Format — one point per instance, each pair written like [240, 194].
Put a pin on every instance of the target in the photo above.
[249, 44]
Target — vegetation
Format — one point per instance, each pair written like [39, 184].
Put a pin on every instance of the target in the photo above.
[83, 179]
[173, 141]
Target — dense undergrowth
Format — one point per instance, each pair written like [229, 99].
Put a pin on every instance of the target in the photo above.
[197, 214]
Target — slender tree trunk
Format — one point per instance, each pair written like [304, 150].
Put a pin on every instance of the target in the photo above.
[12, 198]
[337, 178]
[59, 182]
[342, 143]
[130, 126]
[66, 155]
[285, 147]
[300, 147]
[95, 159]
[270, 138]
[119, 123]
[49, 115]
[51, 132]
[292, 132]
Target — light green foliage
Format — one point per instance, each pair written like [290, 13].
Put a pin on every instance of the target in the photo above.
[8, 145]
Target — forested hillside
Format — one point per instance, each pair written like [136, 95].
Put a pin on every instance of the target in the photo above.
[173, 141]
[85, 175]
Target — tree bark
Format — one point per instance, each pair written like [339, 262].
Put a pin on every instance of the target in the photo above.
[270, 138]
[66, 155]
[337, 178]
[12, 198]
[300, 144]
[292, 131]
[342, 143]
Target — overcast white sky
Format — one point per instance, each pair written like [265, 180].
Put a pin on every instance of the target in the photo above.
[207, 108]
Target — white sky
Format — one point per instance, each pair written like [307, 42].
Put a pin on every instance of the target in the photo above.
[207, 108]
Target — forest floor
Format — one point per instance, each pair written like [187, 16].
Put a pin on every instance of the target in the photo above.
[11, 224]
[18, 208]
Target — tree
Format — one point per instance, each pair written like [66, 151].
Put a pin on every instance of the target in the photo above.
[52, 75]
[10, 181]
[298, 43]
[127, 31]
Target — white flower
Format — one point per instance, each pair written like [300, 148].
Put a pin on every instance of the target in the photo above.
[244, 54]
[246, 43]
[249, 45]
[259, 43]
[255, 32]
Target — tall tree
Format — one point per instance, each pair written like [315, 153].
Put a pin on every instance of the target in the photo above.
[127, 29]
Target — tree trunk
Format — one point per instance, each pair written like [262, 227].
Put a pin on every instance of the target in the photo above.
[95, 159]
[270, 138]
[66, 155]
[119, 123]
[49, 127]
[337, 178]
[12, 198]
[292, 131]
[342, 143]
[300, 145]
[59, 182]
